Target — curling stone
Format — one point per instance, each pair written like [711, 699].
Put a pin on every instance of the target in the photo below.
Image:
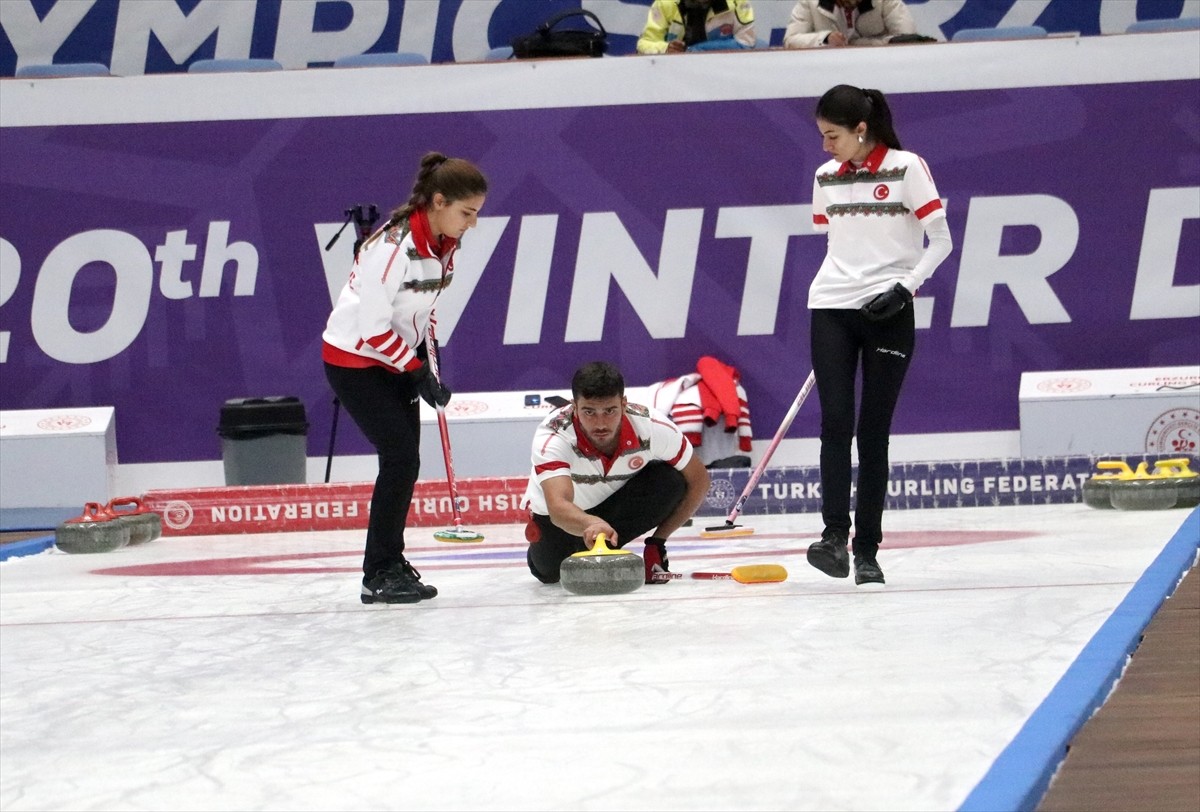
[1138, 490]
[95, 531]
[1186, 481]
[144, 524]
[1097, 491]
[1144, 494]
[1127, 489]
[602, 571]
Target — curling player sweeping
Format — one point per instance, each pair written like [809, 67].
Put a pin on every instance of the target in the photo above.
[602, 465]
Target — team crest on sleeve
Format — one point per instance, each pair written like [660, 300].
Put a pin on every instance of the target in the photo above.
[637, 462]
[563, 419]
[637, 409]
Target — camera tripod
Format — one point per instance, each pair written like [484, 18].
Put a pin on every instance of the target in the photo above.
[364, 217]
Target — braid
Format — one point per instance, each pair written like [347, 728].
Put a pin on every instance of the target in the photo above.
[454, 178]
[423, 188]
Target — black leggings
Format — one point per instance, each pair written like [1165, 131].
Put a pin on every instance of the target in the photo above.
[640, 506]
[839, 339]
[384, 405]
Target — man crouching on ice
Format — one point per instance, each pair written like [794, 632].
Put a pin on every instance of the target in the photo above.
[604, 465]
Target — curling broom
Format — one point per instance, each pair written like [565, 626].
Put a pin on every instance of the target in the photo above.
[744, 574]
[456, 533]
[729, 528]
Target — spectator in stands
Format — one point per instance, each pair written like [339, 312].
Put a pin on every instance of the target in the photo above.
[817, 23]
[877, 203]
[375, 349]
[604, 465]
[676, 26]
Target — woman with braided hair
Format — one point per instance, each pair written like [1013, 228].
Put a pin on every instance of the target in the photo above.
[877, 203]
[375, 347]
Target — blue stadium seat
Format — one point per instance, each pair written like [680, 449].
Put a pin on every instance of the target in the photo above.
[233, 65]
[61, 69]
[367, 60]
[1002, 32]
[1173, 24]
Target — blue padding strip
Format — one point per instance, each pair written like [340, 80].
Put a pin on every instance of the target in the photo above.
[1021, 775]
[26, 547]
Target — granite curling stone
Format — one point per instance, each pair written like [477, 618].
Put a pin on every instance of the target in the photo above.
[1168, 486]
[602, 571]
[144, 524]
[94, 531]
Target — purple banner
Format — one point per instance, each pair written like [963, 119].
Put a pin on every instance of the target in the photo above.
[164, 268]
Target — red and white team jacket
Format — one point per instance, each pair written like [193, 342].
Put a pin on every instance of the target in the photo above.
[711, 396]
[384, 311]
[560, 448]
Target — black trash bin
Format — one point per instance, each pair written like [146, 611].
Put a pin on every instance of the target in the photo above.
[264, 441]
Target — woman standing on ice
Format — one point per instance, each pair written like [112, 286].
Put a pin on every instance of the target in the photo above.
[877, 203]
[376, 347]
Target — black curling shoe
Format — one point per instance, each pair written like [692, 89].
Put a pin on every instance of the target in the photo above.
[866, 570]
[829, 555]
[400, 583]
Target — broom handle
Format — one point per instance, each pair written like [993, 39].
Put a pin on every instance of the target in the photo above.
[434, 367]
[801, 396]
[444, 429]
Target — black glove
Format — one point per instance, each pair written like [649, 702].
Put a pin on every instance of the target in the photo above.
[431, 390]
[655, 558]
[888, 303]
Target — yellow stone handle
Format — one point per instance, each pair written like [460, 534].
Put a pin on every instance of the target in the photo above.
[600, 547]
[1122, 470]
[1174, 468]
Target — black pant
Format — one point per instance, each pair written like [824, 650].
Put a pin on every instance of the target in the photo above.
[840, 339]
[640, 506]
[384, 405]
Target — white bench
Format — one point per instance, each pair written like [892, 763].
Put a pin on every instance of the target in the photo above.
[53, 461]
[490, 433]
[1153, 411]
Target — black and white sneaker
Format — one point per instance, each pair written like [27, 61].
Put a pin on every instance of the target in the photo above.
[830, 554]
[866, 570]
[400, 583]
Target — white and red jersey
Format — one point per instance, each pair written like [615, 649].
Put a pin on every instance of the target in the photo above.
[383, 313]
[560, 448]
[875, 216]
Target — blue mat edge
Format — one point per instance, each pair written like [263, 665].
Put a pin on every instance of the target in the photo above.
[32, 546]
[1020, 776]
